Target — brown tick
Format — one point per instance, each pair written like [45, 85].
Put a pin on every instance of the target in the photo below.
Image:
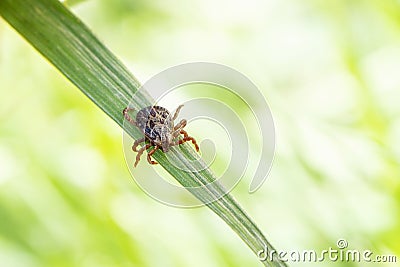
[159, 131]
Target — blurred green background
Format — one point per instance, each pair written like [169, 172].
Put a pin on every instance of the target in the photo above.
[329, 72]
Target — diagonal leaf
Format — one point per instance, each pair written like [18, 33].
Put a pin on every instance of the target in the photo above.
[72, 48]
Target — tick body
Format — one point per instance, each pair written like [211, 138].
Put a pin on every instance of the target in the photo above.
[157, 125]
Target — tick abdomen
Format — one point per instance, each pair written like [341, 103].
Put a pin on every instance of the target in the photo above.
[154, 121]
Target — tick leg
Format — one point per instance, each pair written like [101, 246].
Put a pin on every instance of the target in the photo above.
[178, 129]
[177, 112]
[127, 117]
[185, 139]
[136, 143]
[140, 152]
[150, 154]
[180, 125]
[185, 134]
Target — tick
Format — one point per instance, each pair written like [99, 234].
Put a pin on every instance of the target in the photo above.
[157, 125]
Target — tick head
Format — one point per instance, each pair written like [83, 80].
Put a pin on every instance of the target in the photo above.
[165, 142]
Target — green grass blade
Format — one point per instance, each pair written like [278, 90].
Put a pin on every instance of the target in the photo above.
[72, 48]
